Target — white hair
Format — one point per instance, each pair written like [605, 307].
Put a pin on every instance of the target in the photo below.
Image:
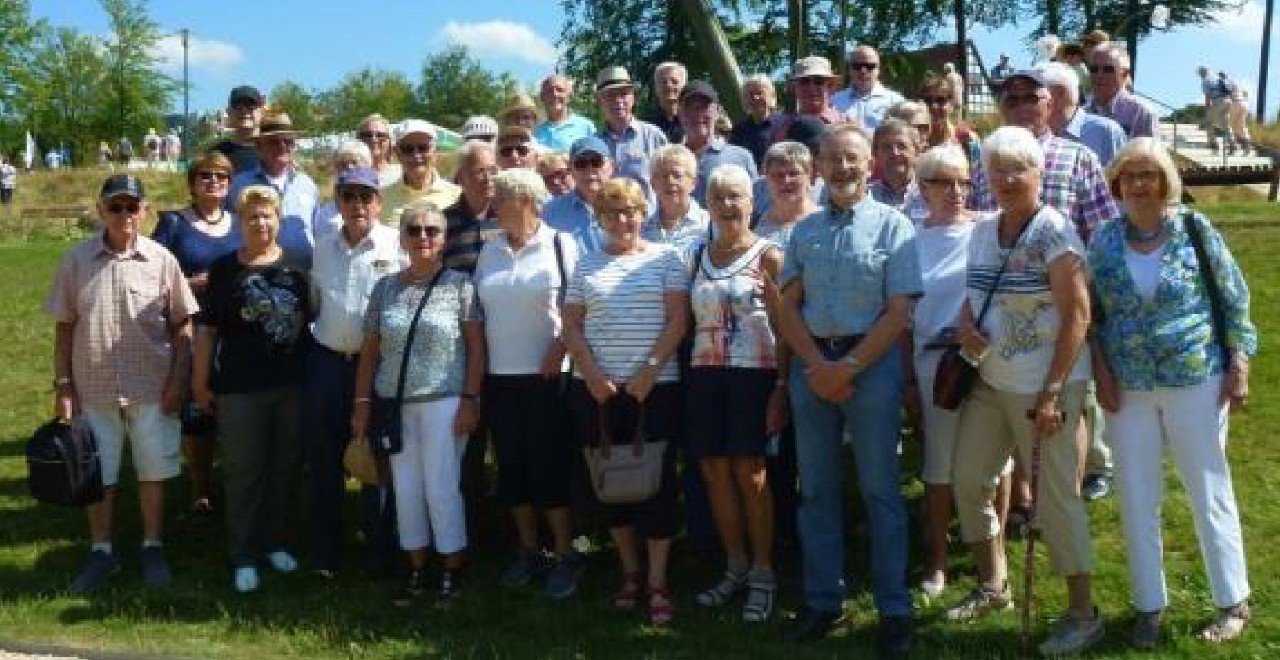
[356, 150]
[730, 175]
[668, 66]
[943, 156]
[676, 154]
[521, 183]
[468, 151]
[788, 152]
[1057, 74]
[1116, 51]
[1012, 144]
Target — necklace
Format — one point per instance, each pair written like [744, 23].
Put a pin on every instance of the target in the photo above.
[1135, 235]
[214, 219]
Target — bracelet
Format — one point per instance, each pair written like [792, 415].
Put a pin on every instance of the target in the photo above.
[363, 399]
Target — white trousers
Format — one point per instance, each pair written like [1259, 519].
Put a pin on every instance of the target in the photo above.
[1194, 425]
[425, 474]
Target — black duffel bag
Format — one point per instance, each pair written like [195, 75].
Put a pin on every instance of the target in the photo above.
[63, 466]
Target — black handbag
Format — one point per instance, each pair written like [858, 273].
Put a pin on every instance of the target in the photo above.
[1217, 315]
[63, 467]
[385, 433]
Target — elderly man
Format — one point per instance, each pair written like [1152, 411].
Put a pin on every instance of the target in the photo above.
[1103, 136]
[812, 82]
[347, 264]
[572, 212]
[516, 148]
[865, 100]
[563, 126]
[1109, 77]
[121, 353]
[471, 219]
[699, 110]
[419, 180]
[631, 142]
[276, 141]
[375, 133]
[668, 79]
[761, 102]
[244, 109]
[849, 283]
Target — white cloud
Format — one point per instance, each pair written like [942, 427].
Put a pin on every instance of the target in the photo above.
[205, 54]
[501, 39]
[1241, 24]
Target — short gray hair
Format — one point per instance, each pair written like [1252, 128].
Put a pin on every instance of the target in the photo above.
[761, 79]
[1117, 51]
[1012, 144]
[673, 153]
[788, 152]
[670, 65]
[1057, 74]
[422, 209]
[355, 150]
[521, 183]
[907, 110]
[943, 156]
[894, 126]
[468, 151]
[835, 131]
[730, 174]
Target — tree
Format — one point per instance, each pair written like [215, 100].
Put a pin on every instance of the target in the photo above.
[64, 82]
[362, 93]
[299, 104]
[139, 94]
[455, 86]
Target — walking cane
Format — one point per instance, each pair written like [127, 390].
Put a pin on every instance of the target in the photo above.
[1029, 563]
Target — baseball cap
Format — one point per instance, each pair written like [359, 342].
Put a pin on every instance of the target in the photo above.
[699, 88]
[1034, 75]
[244, 94]
[590, 145]
[358, 176]
[122, 184]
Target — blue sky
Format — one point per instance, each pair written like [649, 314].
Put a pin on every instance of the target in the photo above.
[316, 42]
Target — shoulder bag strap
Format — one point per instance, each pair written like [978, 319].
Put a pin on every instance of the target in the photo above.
[1216, 314]
[991, 292]
[564, 275]
[413, 328]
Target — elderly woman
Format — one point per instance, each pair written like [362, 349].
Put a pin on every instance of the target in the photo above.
[440, 379]
[253, 321]
[736, 400]
[943, 244]
[788, 177]
[352, 153]
[520, 278]
[197, 235]
[895, 147]
[625, 311]
[1166, 375]
[375, 134]
[1024, 326]
[679, 219]
[938, 96]
[556, 176]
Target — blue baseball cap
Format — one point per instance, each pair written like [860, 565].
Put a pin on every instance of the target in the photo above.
[358, 176]
[590, 145]
[122, 184]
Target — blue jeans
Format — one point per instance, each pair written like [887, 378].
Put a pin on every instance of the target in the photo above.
[873, 416]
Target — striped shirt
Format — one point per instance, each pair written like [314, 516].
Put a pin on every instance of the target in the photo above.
[466, 233]
[625, 308]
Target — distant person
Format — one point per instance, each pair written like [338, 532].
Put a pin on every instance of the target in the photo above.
[121, 350]
[761, 102]
[1238, 119]
[104, 154]
[244, 110]
[668, 79]
[151, 147]
[419, 178]
[866, 99]
[53, 159]
[1109, 77]
[630, 141]
[812, 82]
[562, 126]
[8, 180]
[1002, 70]
[276, 143]
[375, 133]
[124, 151]
[172, 146]
[1217, 98]
[956, 81]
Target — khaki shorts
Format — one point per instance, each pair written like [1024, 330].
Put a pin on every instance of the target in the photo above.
[155, 439]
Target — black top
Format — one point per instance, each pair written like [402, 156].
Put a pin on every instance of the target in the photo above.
[754, 136]
[669, 125]
[244, 157]
[260, 313]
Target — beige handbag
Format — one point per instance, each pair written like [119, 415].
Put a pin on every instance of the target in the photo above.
[360, 463]
[625, 474]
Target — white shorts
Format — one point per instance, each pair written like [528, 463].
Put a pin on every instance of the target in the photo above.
[155, 438]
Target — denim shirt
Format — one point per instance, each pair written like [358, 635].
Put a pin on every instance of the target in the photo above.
[632, 151]
[1166, 341]
[850, 262]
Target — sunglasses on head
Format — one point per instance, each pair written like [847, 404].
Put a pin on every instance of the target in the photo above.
[1103, 68]
[357, 194]
[589, 161]
[416, 148]
[116, 208]
[514, 150]
[1015, 100]
[212, 176]
[937, 100]
[418, 231]
[372, 135]
[864, 66]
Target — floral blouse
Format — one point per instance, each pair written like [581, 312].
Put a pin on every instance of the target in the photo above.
[1167, 340]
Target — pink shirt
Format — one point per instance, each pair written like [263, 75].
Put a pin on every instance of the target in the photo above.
[122, 306]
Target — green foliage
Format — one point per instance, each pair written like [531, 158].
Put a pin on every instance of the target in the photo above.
[137, 94]
[454, 86]
[365, 92]
[298, 103]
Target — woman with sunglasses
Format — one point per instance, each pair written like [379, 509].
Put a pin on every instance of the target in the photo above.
[939, 97]
[443, 375]
[375, 133]
[196, 235]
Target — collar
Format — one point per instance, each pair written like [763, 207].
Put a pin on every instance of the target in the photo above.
[542, 235]
[876, 90]
[433, 179]
[102, 250]
[690, 217]
[340, 237]
[261, 174]
[1075, 125]
[627, 131]
[838, 216]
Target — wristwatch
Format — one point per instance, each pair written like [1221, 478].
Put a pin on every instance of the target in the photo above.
[652, 361]
[854, 362]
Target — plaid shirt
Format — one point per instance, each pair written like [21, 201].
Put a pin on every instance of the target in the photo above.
[1072, 183]
[123, 307]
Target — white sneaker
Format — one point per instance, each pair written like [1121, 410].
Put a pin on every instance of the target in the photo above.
[246, 579]
[282, 561]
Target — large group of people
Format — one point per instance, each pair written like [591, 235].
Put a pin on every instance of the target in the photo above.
[723, 316]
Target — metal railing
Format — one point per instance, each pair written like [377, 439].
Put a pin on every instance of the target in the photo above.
[1171, 109]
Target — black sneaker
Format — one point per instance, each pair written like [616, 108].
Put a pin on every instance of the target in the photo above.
[810, 625]
[412, 590]
[562, 580]
[896, 634]
[523, 569]
[98, 566]
[450, 590]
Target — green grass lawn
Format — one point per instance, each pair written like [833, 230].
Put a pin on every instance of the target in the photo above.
[299, 616]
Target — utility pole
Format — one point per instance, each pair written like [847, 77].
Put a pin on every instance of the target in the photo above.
[186, 96]
[1262, 66]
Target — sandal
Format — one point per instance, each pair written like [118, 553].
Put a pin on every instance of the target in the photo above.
[661, 609]
[759, 605]
[729, 585]
[202, 506]
[625, 598]
[1229, 624]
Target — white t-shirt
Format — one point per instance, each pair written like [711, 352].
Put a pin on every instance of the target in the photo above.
[625, 309]
[1022, 324]
[944, 254]
[8, 176]
[1144, 269]
[520, 295]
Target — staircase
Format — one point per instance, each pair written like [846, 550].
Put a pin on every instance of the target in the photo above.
[1201, 164]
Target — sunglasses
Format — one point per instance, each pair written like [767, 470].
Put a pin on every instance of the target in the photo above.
[937, 100]
[371, 135]
[212, 176]
[418, 231]
[1104, 68]
[962, 184]
[360, 194]
[283, 143]
[117, 209]
[1015, 100]
[416, 148]
[864, 66]
[592, 162]
[514, 150]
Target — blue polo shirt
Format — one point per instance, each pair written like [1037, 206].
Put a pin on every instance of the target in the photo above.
[1103, 136]
[850, 262]
[717, 153]
[632, 151]
[571, 214]
[559, 137]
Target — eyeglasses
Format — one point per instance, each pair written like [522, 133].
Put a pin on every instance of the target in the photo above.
[212, 176]
[937, 100]
[864, 66]
[595, 162]
[959, 184]
[117, 209]
[418, 231]
[279, 142]
[360, 194]
[416, 148]
[733, 198]
[1103, 68]
[1015, 100]
[372, 135]
[556, 174]
[1144, 176]
[521, 150]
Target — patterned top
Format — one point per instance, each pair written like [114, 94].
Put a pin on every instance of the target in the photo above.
[1023, 321]
[909, 200]
[1072, 183]
[122, 306]
[624, 298]
[851, 262]
[1166, 341]
[438, 364]
[731, 326]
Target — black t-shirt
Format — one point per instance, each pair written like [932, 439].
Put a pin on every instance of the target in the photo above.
[670, 125]
[260, 313]
[244, 157]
